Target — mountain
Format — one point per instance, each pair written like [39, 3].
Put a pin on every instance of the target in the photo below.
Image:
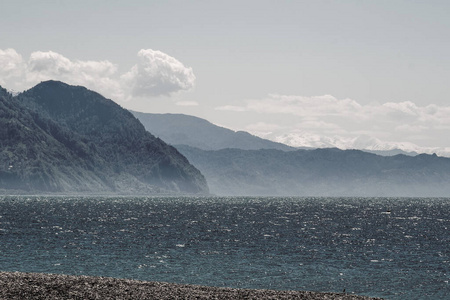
[61, 138]
[179, 129]
[362, 142]
[391, 152]
[238, 163]
[320, 172]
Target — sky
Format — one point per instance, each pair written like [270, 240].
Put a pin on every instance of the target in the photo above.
[351, 74]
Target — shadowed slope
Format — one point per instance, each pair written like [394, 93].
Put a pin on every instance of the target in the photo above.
[97, 146]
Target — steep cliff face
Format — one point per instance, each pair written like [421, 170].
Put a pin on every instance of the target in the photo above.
[63, 138]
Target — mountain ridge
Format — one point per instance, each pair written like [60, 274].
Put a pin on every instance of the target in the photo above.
[93, 145]
[181, 129]
[363, 142]
[59, 138]
[320, 172]
[200, 133]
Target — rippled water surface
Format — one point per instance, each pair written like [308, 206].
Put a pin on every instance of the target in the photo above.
[392, 248]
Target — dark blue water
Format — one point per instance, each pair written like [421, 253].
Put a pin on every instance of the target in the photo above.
[392, 248]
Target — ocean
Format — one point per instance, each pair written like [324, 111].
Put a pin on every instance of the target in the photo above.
[396, 248]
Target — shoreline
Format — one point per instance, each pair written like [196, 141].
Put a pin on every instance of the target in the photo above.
[19, 285]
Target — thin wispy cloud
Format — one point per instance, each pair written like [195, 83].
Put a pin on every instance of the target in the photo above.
[154, 74]
[329, 121]
[314, 121]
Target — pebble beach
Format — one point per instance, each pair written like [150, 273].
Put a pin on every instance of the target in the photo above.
[17, 285]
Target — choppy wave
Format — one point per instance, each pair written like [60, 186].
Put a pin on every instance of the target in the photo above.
[393, 248]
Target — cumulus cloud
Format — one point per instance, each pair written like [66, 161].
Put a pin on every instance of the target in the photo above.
[54, 64]
[155, 74]
[11, 66]
[96, 75]
[326, 120]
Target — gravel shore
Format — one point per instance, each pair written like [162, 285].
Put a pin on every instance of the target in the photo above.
[16, 285]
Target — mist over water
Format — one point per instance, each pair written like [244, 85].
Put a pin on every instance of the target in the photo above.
[395, 248]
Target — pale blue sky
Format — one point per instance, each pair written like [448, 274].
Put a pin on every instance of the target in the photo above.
[245, 53]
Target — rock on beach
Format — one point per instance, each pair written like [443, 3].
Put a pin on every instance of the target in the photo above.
[17, 285]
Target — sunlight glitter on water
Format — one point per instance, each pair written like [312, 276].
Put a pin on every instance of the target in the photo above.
[324, 244]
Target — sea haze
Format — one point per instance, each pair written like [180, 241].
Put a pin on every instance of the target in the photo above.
[395, 248]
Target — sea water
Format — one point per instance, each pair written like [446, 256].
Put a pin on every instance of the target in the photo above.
[396, 248]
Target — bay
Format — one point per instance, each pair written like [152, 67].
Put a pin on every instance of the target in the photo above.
[396, 248]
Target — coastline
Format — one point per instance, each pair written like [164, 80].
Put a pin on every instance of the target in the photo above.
[18, 285]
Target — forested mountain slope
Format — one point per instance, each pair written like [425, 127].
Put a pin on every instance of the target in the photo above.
[61, 138]
[320, 172]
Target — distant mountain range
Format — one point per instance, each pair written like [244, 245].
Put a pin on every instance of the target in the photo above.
[320, 172]
[179, 129]
[237, 163]
[57, 138]
[67, 139]
[363, 142]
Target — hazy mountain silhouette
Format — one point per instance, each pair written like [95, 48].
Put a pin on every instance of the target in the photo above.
[320, 172]
[237, 163]
[179, 129]
[61, 138]
[392, 152]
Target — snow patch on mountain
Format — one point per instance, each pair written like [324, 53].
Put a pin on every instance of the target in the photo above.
[362, 142]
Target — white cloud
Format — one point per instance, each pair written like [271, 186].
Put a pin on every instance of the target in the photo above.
[49, 63]
[11, 66]
[96, 75]
[298, 138]
[301, 106]
[157, 73]
[328, 121]
[407, 107]
[408, 128]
